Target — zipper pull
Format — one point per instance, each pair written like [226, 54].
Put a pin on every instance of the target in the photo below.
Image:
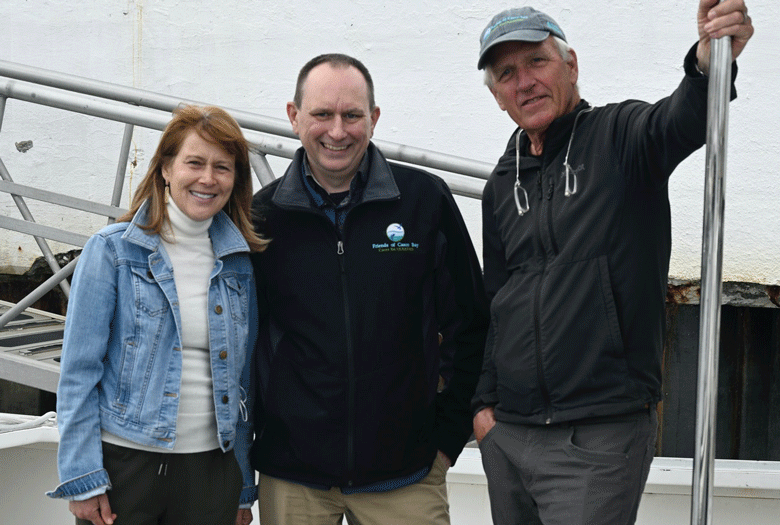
[340, 249]
[550, 189]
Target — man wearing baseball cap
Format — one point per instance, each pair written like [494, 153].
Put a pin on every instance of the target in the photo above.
[577, 239]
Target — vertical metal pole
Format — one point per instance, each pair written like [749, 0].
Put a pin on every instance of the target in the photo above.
[719, 91]
[2, 110]
[262, 168]
[121, 169]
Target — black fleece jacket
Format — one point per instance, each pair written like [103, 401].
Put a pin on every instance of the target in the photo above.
[349, 356]
[578, 284]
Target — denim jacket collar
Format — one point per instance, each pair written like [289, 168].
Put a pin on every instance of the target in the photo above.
[225, 237]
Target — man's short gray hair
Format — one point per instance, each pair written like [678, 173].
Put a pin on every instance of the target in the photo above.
[564, 50]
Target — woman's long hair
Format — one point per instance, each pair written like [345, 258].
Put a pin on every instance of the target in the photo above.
[214, 125]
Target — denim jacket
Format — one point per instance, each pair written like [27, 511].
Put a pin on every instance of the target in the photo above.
[121, 358]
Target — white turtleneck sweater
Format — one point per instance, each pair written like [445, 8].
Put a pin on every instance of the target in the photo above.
[192, 258]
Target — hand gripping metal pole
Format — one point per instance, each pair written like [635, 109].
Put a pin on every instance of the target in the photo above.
[719, 91]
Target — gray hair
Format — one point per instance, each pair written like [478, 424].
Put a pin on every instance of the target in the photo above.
[564, 50]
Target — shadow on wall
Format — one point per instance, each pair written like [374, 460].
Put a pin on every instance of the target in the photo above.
[748, 419]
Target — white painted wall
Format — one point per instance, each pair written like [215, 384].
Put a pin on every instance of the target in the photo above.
[422, 54]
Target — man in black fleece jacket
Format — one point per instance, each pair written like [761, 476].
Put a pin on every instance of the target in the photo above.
[369, 291]
[577, 238]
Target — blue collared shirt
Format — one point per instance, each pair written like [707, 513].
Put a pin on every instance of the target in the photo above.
[336, 212]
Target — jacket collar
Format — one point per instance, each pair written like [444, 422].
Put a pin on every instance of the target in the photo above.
[554, 140]
[291, 193]
[225, 237]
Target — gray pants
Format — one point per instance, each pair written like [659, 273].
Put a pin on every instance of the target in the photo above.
[569, 474]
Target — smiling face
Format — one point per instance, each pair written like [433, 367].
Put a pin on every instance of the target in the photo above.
[334, 123]
[532, 83]
[201, 177]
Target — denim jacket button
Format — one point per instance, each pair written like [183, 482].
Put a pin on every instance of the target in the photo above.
[223, 355]
[218, 309]
[226, 444]
[149, 274]
[225, 399]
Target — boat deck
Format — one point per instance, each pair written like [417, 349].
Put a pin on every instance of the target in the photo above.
[745, 491]
[30, 348]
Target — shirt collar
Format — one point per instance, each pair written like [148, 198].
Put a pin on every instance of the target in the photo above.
[358, 181]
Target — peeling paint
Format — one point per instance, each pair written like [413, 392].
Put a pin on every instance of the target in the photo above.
[733, 294]
[774, 294]
[132, 167]
[24, 146]
[683, 292]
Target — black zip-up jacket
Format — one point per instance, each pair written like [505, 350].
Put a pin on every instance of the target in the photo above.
[578, 284]
[349, 357]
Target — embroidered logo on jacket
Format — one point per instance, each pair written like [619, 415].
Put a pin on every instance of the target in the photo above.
[395, 233]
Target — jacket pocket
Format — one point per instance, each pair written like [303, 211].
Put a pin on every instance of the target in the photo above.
[582, 350]
[125, 379]
[237, 297]
[145, 328]
[513, 345]
[306, 422]
[149, 297]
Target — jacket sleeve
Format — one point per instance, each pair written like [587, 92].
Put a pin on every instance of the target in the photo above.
[91, 309]
[462, 317]
[259, 370]
[245, 427]
[652, 139]
[496, 275]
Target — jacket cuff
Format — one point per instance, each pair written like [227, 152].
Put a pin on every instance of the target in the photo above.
[691, 68]
[83, 487]
[248, 496]
[480, 401]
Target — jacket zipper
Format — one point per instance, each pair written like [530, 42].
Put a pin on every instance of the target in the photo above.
[537, 313]
[553, 242]
[350, 367]
[350, 347]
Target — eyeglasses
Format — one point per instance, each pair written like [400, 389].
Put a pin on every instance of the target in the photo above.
[522, 203]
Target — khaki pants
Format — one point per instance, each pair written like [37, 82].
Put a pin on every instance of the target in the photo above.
[425, 502]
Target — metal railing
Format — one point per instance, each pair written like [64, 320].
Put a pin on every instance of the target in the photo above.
[711, 280]
[139, 108]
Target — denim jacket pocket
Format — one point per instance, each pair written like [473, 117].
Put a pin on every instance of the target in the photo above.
[152, 323]
[237, 295]
[149, 297]
[125, 380]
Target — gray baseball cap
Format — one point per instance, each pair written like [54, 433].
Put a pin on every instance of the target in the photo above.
[524, 24]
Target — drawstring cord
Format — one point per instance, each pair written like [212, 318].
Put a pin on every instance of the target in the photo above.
[571, 184]
[571, 190]
[521, 208]
[242, 398]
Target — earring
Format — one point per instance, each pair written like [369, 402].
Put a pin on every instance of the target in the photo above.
[167, 193]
